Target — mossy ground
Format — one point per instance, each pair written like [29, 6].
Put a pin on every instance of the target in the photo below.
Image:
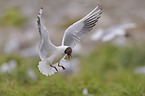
[107, 71]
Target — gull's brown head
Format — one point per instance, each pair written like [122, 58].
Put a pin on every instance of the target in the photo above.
[68, 51]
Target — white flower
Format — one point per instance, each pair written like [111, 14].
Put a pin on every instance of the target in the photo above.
[31, 74]
[8, 67]
[140, 70]
[4, 68]
[85, 91]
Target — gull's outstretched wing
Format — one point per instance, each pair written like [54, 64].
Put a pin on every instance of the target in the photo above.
[46, 48]
[75, 32]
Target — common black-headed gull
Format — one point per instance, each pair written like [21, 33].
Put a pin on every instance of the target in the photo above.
[111, 32]
[51, 54]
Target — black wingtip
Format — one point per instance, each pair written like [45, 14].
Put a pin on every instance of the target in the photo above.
[40, 13]
[38, 19]
[99, 6]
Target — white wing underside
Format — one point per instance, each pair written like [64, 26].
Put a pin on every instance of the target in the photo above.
[46, 48]
[75, 32]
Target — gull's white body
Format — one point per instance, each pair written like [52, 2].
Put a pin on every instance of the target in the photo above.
[50, 54]
[57, 55]
[44, 65]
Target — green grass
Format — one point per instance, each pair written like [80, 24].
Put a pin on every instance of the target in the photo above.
[107, 71]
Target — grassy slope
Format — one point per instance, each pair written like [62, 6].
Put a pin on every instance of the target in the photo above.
[108, 71]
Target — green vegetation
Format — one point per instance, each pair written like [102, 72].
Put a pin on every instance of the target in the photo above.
[11, 17]
[107, 71]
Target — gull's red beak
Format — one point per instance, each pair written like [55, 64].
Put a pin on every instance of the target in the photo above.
[69, 56]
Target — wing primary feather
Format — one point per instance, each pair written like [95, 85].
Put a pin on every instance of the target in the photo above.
[91, 12]
[94, 17]
[97, 13]
[91, 22]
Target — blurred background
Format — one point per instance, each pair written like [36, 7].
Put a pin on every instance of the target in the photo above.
[114, 67]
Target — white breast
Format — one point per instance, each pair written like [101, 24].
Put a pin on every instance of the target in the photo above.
[57, 55]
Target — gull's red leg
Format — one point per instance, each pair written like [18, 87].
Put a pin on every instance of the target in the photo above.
[54, 67]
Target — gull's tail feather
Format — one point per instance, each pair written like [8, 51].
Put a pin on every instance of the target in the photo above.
[45, 68]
